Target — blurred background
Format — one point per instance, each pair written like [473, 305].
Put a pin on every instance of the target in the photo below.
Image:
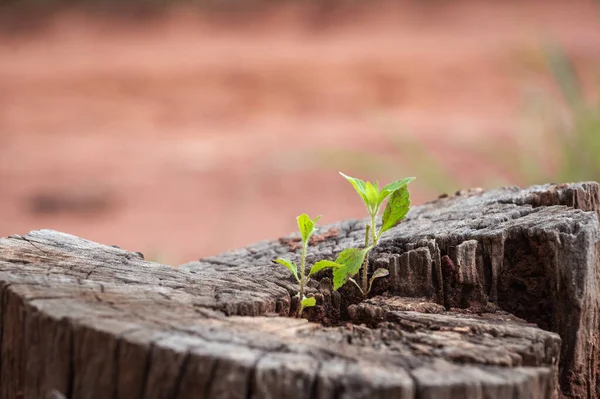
[183, 129]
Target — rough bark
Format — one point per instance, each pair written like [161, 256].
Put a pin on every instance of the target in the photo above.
[469, 273]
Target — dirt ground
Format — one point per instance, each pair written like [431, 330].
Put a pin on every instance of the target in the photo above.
[189, 134]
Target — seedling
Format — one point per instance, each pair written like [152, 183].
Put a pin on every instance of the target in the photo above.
[395, 211]
[307, 227]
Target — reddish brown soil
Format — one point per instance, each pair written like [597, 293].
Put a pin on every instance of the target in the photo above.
[190, 134]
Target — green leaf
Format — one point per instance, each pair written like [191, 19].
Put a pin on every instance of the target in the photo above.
[323, 264]
[358, 185]
[396, 209]
[351, 260]
[390, 188]
[381, 272]
[308, 302]
[372, 195]
[290, 265]
[306, 225]
[397, 184]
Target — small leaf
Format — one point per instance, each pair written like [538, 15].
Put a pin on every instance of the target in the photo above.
[397, 184]
[306, 225]
[372, 195]
[396, 209]
[290, 265]
[323, 264]
[383, 194]
[358, 185]
[390, 188]
[381, 272]
[351, 260]
[308, 302]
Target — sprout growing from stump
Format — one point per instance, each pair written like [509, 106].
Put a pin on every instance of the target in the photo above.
[307, 227]
[395, 211]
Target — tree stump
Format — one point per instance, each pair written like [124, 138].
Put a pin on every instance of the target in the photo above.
[491, 294]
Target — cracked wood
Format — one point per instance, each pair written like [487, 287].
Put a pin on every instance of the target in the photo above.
[84, 320]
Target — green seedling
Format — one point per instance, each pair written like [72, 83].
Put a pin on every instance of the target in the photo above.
[307, 227]
[395, 211]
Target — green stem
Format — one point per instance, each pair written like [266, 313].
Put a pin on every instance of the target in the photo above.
[365, 266]
[373, 231]
[302, 277]
[356, 284]
[374, 239]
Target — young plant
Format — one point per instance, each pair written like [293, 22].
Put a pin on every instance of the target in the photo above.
[307, 227]
[395, 211]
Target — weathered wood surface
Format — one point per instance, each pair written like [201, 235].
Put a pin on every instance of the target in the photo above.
[86, 320]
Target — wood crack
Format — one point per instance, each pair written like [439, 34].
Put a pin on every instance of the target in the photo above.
[527, 262]
[252, 377]
[211, 377]
[146, 372]
[182, 372]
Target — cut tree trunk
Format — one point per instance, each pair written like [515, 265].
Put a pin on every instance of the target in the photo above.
[491, 294]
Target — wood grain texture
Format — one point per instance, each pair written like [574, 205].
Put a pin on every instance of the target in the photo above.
[469, 274]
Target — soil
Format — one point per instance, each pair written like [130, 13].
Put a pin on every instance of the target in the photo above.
[145, 131]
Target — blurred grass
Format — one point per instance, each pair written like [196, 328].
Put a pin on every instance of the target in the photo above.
[559, 143]
[562, 142]
[579, 137]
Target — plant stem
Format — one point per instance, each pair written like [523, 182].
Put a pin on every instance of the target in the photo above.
[373, 231]
[302, 277]
[374, 239]
[365, 266]
[356, 284]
